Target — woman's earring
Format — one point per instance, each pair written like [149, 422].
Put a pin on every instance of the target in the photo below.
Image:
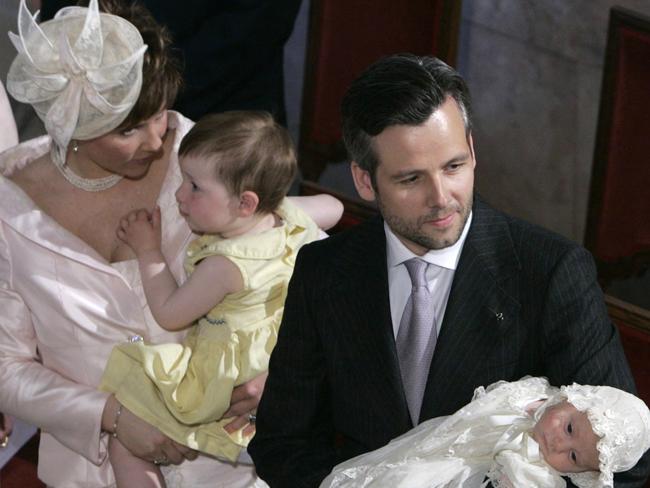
[75, 147]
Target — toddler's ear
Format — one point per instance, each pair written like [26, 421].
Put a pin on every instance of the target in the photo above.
[248, 202]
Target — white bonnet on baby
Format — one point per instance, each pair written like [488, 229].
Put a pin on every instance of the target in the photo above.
[81, 71]
[620, 419]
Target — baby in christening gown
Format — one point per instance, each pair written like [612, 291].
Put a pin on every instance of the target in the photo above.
[520, 434]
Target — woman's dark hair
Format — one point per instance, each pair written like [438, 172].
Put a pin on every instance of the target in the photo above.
[161, 77]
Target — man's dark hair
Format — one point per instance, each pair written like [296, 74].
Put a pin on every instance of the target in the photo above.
[402, 89]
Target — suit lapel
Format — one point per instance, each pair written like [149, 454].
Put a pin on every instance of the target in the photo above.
[476, 316]
[366, 305]
[477, 312]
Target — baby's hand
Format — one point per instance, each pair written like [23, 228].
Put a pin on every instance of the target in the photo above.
[141, 230]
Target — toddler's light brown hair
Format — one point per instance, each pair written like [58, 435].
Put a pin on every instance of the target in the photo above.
[250, 152]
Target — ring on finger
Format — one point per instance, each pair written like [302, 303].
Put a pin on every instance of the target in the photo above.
[4, 442]
[163, 461]
[252, 418]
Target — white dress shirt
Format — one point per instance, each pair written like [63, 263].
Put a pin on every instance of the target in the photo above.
[439, 276]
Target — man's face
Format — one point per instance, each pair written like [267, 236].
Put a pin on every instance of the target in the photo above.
[424, 180]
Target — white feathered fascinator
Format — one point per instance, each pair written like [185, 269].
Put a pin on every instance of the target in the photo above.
[81, 71]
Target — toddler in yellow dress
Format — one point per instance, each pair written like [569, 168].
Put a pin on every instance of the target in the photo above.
[236, 169]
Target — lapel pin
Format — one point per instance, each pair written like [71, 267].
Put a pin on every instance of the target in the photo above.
[499, 316]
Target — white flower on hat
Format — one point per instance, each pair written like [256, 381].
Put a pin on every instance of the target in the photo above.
[81, 71]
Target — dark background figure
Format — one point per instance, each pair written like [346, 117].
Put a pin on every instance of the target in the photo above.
[232, 51]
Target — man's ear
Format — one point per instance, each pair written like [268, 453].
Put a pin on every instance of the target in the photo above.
[470, 141]
[248, 202]
[363, 182]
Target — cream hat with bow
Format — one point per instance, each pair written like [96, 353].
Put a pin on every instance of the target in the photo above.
[81, 71]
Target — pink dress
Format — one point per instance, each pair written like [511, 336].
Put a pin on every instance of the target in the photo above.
[62, 309]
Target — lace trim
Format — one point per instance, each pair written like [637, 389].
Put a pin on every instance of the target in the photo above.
[621, 420]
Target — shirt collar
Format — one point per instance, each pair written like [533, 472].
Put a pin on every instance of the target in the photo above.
[397, 252]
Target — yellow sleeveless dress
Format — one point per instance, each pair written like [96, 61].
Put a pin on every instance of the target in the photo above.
[184, 389]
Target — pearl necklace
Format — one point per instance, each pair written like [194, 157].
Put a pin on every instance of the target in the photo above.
[85, 184]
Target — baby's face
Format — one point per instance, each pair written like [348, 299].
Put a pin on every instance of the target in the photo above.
[566, 440]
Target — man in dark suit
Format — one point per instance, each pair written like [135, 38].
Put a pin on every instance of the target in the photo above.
[509, 299]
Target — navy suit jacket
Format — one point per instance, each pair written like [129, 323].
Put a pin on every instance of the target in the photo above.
[524, 301]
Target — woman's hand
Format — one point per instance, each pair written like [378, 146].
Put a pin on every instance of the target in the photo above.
[142, 439]
[147, 442]
[6, 426]
[243, 404]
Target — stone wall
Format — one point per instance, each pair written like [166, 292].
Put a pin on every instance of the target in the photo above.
[535, 69]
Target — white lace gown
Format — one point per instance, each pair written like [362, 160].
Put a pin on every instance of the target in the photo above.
[488, 437]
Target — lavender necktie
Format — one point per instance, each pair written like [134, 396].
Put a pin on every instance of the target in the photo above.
[416, 338]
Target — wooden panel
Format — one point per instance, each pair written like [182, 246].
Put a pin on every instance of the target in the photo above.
[355, 210]
[618, 226]
[634, 326]
[345, 37]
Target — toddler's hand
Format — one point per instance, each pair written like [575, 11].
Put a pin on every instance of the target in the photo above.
[141, 230]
